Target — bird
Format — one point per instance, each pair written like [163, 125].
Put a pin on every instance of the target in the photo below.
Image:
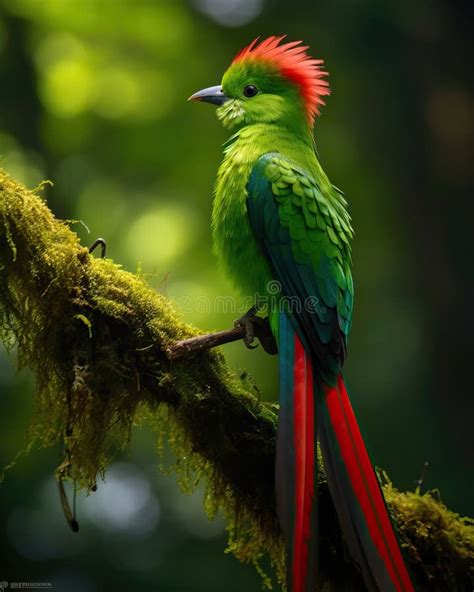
[281, 231]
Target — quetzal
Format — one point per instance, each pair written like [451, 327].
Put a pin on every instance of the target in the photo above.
[278, 221]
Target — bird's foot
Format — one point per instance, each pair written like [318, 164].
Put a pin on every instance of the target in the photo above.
[247, 321]
[257, 327]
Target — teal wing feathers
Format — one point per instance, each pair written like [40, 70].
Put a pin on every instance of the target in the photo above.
[305, 232]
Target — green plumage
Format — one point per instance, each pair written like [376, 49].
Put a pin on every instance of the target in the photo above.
[310, 233]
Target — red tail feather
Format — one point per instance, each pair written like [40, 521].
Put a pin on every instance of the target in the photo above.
[365, 484]
[305, 445]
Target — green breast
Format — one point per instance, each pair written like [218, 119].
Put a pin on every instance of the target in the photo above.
[234, 241]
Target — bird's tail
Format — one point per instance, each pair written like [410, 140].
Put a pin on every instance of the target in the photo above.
[357, 495]
[296, 464]
[307, 404]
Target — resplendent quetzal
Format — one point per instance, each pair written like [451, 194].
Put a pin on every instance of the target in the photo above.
[277, 218]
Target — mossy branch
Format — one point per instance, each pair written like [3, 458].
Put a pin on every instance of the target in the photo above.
[96, 338]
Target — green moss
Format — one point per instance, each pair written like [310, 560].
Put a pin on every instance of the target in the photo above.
[249, 540]
[439, 543]
[95, 335]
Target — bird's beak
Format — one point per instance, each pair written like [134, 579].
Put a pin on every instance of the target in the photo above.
[213, 94]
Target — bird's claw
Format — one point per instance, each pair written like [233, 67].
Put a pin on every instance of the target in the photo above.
[249, 338]
[257, 328]
[248, 322]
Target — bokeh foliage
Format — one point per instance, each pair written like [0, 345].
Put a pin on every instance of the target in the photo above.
[92, 96]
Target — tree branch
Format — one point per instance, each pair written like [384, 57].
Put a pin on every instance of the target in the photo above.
[187, 347]
[98, 340]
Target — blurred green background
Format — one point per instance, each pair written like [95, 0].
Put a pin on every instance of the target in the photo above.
[93, 96]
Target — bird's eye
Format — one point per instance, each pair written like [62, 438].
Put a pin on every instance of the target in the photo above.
[250, 91]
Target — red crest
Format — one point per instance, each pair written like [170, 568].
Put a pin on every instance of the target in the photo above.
[293, 63]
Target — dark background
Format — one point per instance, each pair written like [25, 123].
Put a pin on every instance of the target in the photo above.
[93, 97]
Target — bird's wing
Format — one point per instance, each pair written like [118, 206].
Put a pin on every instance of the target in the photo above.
[305, 233]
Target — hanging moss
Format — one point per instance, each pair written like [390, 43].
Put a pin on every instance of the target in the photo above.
[95, 335]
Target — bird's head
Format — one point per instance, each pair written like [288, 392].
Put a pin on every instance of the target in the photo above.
[269, 82]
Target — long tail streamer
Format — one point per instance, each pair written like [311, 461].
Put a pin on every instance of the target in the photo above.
[306, 404]
[357, 495]
[296, 465]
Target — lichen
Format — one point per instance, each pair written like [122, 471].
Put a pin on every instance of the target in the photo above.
[95, 336]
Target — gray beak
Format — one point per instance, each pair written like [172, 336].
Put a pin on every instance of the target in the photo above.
[213, 95]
